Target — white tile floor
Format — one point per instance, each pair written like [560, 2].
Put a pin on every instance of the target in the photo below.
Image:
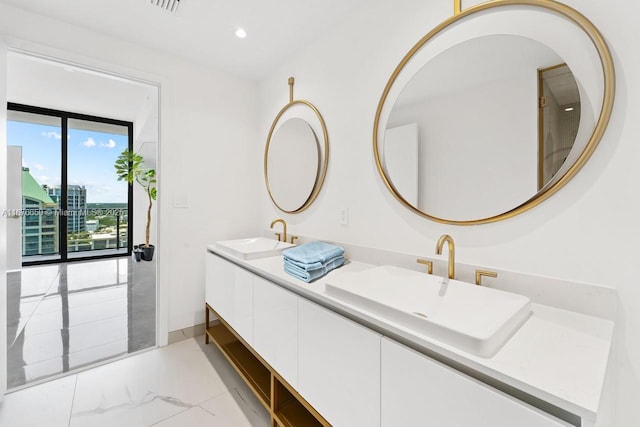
[184, 384]
[67, 316]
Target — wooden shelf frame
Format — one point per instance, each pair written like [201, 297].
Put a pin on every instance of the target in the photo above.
[285, 405]
[289, 411]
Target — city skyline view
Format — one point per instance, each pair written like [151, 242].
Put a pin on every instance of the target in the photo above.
[55, 231]
[91, 156]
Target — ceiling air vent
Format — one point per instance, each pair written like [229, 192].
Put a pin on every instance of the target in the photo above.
[169, 5]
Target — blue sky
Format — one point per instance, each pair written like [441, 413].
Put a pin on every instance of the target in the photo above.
[91, 158]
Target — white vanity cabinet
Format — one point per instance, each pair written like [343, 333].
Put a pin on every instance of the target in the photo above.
[417, 390]
[339, 372]
[338, 367]
[275, 333]
[229, 291]
[216, 274]
[239, 301]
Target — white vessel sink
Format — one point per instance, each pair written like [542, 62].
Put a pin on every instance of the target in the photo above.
[473, 318]
[253, 248]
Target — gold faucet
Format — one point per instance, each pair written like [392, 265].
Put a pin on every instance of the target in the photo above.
[429, 264]
[452, 253]
[284, 230]
[487, 273]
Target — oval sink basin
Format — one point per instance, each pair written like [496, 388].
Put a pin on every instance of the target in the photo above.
[473, 318]
[253, 248]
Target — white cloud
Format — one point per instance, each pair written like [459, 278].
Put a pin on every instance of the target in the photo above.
[52, 135]
[99, 189]
[89, 143]
[43, 178]
[39, 167]
[110, 144]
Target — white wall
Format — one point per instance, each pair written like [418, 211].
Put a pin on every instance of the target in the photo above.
[587, 232]
[494, 126]
[3, 219]
[207, 125]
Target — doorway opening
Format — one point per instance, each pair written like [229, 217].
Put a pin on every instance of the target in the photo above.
[558, 119]
[67, 309]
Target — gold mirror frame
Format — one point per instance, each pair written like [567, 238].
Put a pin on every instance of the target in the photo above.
[321, 173]
[605, 113]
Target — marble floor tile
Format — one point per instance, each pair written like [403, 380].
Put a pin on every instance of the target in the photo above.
[195, 416]
[35, 280]
[36, 371]
[59, 315]
[98, 353]
[185, 384]
[53, 321]
[47, 404]
[244, 398]
[229, 412]
[146, 388]
[83, 275]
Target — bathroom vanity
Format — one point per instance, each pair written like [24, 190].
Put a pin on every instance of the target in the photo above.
[315, 358]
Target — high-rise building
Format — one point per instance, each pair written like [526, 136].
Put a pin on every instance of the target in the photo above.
[39, 219]
[76, 206]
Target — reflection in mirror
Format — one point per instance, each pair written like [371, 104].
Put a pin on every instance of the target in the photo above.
[474, 108]
[559, 119]
[292, 164]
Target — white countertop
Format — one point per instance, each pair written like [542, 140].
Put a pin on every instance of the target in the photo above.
[558, 356]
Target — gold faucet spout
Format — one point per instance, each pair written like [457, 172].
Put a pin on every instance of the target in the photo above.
[452, 252]
[284, 228]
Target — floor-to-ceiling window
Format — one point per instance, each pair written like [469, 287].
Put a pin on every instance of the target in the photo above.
[73, 207]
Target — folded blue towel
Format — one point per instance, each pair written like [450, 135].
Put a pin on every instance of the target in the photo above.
[311, 253]
[306, 267]
[307, 275]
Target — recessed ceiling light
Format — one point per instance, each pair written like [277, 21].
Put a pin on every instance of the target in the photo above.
[241, 33]
[568, 109]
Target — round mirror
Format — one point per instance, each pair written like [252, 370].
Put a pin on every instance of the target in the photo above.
[295, 161]
[292, 164]
[486, 117]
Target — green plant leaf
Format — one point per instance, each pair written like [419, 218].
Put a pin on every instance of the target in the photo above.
[129, 167]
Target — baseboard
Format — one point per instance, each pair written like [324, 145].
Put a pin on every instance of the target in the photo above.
[186, 333]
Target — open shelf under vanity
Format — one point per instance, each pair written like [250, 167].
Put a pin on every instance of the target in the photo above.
[286, 407]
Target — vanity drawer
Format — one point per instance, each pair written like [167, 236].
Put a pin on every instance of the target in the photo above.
[339, 367]
[275, 328]
[229, 291]
[417, 390]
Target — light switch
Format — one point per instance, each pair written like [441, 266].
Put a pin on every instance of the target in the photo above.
[180, 201]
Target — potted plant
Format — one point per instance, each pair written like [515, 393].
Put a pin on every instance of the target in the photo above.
[137, 253]
[130, 167]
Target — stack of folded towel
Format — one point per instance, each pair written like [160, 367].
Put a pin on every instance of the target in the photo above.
[312, 260]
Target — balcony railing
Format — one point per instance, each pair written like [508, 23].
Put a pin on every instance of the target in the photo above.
[89, 231]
